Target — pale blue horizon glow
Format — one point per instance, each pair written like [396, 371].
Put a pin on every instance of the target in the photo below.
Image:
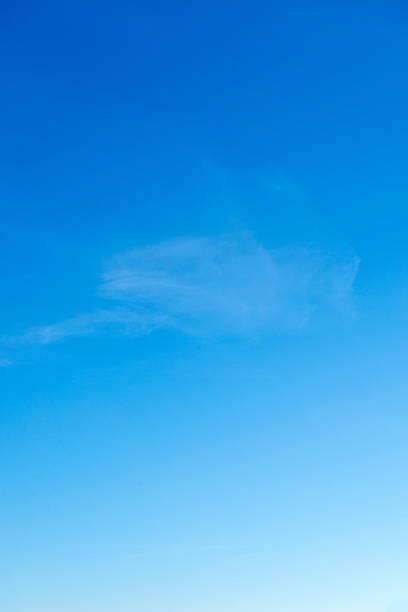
[204, 316]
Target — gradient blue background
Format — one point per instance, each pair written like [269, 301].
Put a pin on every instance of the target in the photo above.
[171, 473]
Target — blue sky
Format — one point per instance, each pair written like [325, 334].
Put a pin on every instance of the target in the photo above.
[204, 307]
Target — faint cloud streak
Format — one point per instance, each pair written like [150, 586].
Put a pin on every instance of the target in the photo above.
[229, 284]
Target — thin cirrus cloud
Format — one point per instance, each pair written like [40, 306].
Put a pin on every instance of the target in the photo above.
[214, 285]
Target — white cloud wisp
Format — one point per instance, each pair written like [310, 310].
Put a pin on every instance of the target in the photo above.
[214, 285]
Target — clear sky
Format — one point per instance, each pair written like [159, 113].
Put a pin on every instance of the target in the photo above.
[204, 306]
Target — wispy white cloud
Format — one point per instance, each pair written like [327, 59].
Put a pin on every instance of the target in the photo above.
[87, 324]
[229, 284]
